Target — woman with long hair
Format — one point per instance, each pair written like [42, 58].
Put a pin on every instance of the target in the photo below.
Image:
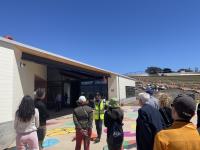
[26, 124]
[165, 110]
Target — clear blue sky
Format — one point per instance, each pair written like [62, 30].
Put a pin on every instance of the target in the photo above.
[121, 36]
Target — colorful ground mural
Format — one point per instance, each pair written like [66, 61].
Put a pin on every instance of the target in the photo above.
[61, 132]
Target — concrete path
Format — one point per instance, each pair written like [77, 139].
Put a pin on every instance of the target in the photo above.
[61, 133]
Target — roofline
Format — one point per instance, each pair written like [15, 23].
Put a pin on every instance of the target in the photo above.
[31, 48]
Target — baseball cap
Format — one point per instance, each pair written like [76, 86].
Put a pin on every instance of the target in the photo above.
[185, 106]
[149, 91]
[81, 99]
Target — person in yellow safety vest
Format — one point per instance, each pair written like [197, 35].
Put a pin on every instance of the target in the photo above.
[100, 107]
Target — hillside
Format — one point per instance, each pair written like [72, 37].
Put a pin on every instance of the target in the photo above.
[175, 84]
[186, 82]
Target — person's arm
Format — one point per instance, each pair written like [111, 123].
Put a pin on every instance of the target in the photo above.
[90, 115]
[106, 120]
[37, 120]
[159, 143]
[142, 129]
[122, 117]
[198, 115]
[76, 122]
[45, 113]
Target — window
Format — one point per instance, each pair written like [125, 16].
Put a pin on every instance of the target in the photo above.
[130, 91]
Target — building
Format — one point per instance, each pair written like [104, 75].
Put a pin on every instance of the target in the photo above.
[24, 68]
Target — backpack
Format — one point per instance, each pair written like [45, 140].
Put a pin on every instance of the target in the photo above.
[116, 135]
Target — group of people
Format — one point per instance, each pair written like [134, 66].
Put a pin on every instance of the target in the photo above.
[161, 126]
[103, 112]
[30, 122]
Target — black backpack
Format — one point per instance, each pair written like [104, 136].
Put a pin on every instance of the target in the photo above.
[116, 135]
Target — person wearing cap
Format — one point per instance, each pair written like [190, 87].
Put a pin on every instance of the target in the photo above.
[182, 135]
[152, 101]
[113, 115]
[100, 107]
[83, 118]
[43, 114]
[149, 122]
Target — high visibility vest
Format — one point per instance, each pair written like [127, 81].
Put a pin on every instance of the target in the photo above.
[99, 111]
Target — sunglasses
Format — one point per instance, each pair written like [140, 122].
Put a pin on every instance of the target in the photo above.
[172, 105]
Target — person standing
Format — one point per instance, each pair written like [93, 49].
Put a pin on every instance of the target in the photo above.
[165, 110]
[100, 107]
[39, 104]
[113, 121]
[26, 124]
[83, 118]
[152, 101]
[58, 102]
[182, 135]
[198, 116]
[91, 101]
[149, 122]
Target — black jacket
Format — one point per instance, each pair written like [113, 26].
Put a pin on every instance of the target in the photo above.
[83, 117]
[43, 114]
[198, 115]
[113, 115]
[149, 122]
[167, 115]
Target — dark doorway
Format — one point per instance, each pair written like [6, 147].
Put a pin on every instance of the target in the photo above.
[75, 92]
[40, 83]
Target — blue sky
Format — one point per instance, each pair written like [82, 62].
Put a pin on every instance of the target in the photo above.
[121, 36]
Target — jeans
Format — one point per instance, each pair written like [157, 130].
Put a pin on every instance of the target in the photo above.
[99, 124]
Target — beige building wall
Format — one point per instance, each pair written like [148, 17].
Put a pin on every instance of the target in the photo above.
[112, 87]
[6, 83]
[16, 80]
[117, 86]
[123, 82]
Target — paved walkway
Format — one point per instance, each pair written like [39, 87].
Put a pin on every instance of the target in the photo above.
[60, 135]
[61, 132]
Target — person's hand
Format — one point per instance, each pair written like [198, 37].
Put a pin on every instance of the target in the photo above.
[84, 132]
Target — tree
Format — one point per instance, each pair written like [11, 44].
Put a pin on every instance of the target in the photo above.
[153, 70]
[167, 70]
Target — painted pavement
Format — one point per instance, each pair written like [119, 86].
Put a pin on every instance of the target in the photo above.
[61, 132]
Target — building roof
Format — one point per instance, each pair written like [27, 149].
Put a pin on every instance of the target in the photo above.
[51, 56]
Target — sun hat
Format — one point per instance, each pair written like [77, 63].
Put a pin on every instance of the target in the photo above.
[114, 103]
